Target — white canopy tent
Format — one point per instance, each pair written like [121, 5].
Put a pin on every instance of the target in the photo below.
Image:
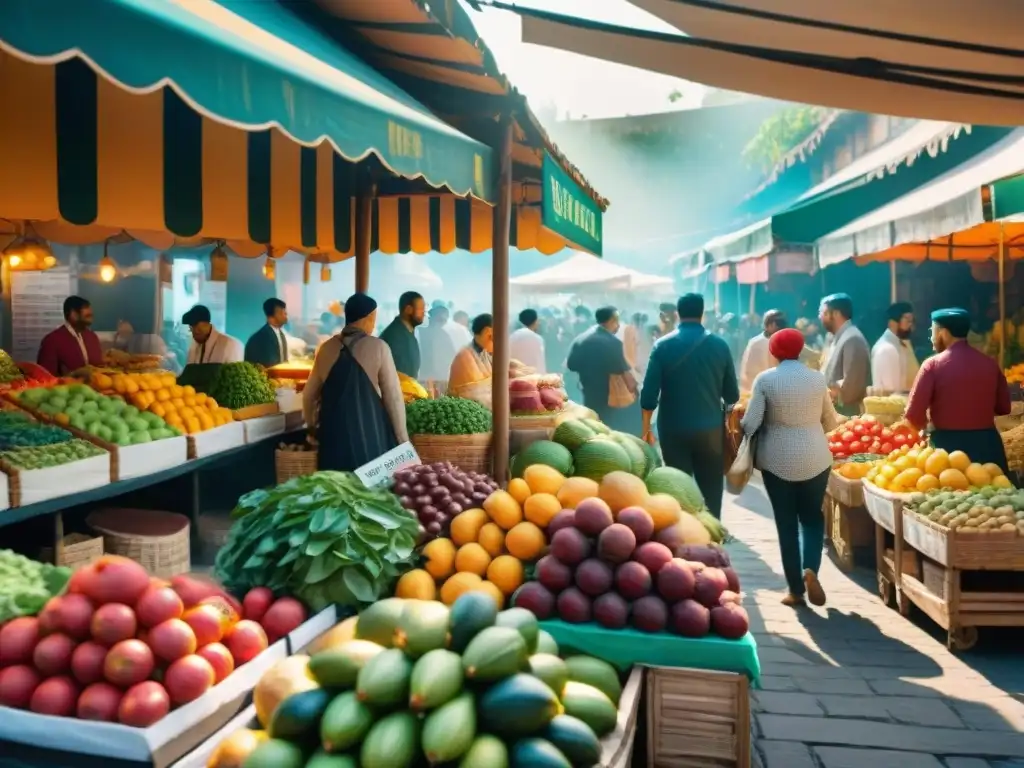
[583, 272]
[933, 59]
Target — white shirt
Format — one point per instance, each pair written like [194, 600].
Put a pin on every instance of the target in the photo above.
[527, 347]
[218, 348]
[460, 334]
[756, 358]
[81, 342]
[894, 365]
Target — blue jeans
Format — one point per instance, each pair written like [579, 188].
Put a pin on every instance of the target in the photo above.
[799, 522]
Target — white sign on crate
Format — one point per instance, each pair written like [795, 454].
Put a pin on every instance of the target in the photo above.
[383, 468]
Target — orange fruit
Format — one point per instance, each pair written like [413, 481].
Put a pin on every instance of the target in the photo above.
[492, 590]
[416, 585]
[518, 489]
[959, 460]
[543, 479]
[927, 483]
[440, 554]
[458, 585]
[506, 572]
[953, 478]
[466, 526]
[503, 509]
[525, 541]
[472, 558]
[541, 508]
[937, 463]
[492, 539]
[576, 489]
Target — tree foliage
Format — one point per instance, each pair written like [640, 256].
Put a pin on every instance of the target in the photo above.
[781, 133]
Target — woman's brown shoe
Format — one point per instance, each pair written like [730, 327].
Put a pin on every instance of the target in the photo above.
[815, 592]
[793, 601]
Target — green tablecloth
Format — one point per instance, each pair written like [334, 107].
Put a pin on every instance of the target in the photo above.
[627, 647]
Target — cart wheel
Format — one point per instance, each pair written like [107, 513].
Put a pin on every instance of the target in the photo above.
[962, 638]
[902, 602]
[884, 589]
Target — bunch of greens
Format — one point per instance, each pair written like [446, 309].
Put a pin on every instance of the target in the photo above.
[43, 456]
[322, 538]
[447, 416]
[26, 585]
[9, 370]
[238, 385]
[29, 435]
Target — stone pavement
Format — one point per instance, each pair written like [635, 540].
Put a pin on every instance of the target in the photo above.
[854, 684]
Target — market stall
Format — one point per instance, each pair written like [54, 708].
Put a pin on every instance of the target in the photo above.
[586, 275]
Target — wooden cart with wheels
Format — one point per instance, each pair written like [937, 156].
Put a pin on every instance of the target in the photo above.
[885, 511]
[847, 523]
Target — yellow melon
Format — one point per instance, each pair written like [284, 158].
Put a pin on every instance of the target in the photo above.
[621, 489]
[503, 509]
[335, 637]
[927, 483]
[937, 463]
[953, 478]
[576, 489]
[233, 751]
[416, 585]
[287, 677]
[541, 508]
[976, 475]
[994, 470]
[663, 509]
[959, 460]
[526, 541]
[543, 479]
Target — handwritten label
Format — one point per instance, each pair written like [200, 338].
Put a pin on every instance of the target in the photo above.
[383, 468]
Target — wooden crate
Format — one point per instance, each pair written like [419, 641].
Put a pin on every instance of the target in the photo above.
[697, 719]
[908, 563]
[255, 411]
[848, 528]
[988, 551]
[845, 491]
[882, 506]
[933, 576]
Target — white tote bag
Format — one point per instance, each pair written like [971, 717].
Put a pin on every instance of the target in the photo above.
[742, 468]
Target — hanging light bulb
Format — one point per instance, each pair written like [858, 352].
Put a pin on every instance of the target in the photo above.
[219, 263]
[28, 251]
[269, 268]
[49, 262]
[108, 269]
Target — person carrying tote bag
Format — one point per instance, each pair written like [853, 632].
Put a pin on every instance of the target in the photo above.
[789, 413]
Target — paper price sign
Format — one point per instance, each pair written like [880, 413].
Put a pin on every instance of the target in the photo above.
[383, 468]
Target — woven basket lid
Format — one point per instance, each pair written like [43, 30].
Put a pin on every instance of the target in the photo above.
[138, 522]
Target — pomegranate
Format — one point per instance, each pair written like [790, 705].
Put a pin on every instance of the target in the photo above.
[188, 678]
[191, 589]
[52, 655]
[246, 640]
[49, 618]
[158, 604]
[220, 659]
[129, 662]
[207, 622]
[18, 638]
[74, 614]
[87, 662]
[78, 583]
[112, 623]
[171, 639]
[256, 603]
[99, 702]
[143, 704]
[56, 696]
[114, 579]
[284, 616]
[17, 684]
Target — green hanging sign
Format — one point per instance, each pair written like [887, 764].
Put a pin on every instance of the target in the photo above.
[568, 211]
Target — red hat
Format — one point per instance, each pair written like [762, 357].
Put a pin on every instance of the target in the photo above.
[786, 344]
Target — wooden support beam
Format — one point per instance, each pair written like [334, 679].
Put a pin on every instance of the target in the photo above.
[499, 302]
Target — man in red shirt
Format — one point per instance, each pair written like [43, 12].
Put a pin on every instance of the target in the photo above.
[73, 345]
[963, 390]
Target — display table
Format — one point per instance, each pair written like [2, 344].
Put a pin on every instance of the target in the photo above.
[847, 523]
[625, 648]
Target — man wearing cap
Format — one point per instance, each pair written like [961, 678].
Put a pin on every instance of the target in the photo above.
[963, 390]
[437, 349]
[526, 344]
[400, 335]
[208, 344]
[352, 401]
[756, 357]
[846, 362]
[894, 365]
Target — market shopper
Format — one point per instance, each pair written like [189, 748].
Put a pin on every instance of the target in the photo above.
[352, 401]
[458, 329]
[790, 410]
[208, 344]
[596, 356]
[846, 361]
[437, 349]
[526, 344]
[73, 345]
[691, 380]
[963, 390]
[756, 357]
[269, 346]
[894, 365]
[400, 335]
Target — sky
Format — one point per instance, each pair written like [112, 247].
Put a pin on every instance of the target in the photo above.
[584, 86]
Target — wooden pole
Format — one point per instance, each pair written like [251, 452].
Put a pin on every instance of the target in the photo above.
[499, 302]
[365, 193]
[1002, 297]
[892, 282]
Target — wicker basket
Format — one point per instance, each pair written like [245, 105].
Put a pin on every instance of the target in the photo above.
[289, 464]
[470, 453]
[76, 550]
[158, 541]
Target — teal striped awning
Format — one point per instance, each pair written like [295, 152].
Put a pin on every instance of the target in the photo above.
[254, 66]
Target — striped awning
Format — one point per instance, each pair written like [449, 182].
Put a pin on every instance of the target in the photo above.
[86, 160]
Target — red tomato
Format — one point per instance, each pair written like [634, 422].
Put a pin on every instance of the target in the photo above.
[847, 437]
[839, 456]
[876, 428]
[885, 448]
[886, 433]
[876, 447]
[899, 440]
[858, 429]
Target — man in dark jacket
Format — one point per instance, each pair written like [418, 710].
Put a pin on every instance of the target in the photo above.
[400, 335]
[269, 346]
[691, 379]
[596, 356]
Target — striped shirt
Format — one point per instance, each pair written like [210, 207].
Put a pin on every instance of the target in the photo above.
[790, 409]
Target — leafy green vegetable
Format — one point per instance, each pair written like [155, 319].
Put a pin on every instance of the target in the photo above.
[323, 538]
[26, 585]
[9, 370]
[238, 385]
[447, 416]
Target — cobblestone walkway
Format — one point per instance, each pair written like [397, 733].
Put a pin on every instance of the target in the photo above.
[856, 685]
